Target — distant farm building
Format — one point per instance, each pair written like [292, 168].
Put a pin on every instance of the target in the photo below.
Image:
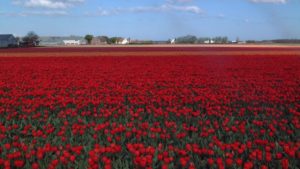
[99, 40]
[122, 41]
[8, 40]
[209, 41]
[173, 41]
[71, 42]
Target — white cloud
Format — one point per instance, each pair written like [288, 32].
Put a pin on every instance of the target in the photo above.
[35, 13]
[191, 9]
[269, 1]
[51, 4]
[179, 1]
[142, 9]
[46, 13]
[169, 7]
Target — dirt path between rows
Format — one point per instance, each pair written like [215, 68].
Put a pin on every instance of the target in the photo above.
[154, 50]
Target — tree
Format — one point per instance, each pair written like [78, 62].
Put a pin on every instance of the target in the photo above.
[31, 39]
[225, 39]
[105, 38]
[237, 40]
[220, 39]
[189, 39]
[89, 38]
[113, 40]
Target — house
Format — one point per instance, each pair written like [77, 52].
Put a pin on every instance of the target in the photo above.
[209, 41]
[71, 42]
[8, 40]
[122, 41]
[173, 41]
[99, 40]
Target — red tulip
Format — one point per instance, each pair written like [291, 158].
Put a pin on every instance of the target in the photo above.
[263, 167]
[7, 146]
[248, 165]
[229, 162]
[239, 161]
[285, 163]
[210, 161]
[19, 163]
[278, 155]
[35, 166]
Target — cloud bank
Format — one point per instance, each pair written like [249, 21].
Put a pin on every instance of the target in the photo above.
[59, 7]
[51, 4]
[143, 9]
[35, 13]
[269, 1]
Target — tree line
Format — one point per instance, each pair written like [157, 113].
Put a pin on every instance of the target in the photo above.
[108, 40]
[31, 39]
[191, 39]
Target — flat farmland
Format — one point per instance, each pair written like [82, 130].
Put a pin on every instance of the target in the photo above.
[150, 107]
[153, 50]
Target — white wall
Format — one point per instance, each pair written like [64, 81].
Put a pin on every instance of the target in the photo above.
[71, 42]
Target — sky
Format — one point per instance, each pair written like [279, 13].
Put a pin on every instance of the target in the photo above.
[153, 19]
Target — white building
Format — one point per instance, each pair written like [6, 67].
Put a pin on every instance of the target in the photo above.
[124, 41]
[209, 41]
[173, 41]
[8, 40]
[71, 42]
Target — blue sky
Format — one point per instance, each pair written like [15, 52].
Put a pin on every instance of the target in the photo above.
[153, 19]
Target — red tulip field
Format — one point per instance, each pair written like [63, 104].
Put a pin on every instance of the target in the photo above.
[150, 108]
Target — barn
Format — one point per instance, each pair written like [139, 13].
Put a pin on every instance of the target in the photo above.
[71, 42]
[99, 40]
[122, 41]
[8, 40]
